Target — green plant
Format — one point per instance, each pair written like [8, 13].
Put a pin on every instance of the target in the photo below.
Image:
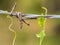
[12, 29]
[41, 22]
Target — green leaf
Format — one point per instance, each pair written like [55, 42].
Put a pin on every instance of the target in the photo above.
[41, 21]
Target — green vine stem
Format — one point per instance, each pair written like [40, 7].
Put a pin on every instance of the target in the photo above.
[41, 22]
[12, 29]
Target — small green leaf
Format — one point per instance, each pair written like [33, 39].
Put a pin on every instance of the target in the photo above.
[41, 21]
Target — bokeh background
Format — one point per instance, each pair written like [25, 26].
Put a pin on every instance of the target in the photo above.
[26, 36]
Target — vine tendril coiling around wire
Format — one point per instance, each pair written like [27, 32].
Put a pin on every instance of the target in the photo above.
[12, 29]
[41, 22]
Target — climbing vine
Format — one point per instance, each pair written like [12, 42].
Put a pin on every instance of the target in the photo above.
[41, 22]
[12, 29]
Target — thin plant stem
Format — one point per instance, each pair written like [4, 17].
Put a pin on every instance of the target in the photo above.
[12, 29]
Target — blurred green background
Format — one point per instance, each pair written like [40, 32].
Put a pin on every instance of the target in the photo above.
[26, 36]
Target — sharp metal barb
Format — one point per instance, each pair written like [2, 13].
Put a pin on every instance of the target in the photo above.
[13, 8]
[22, 17]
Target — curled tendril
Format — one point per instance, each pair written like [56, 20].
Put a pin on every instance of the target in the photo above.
[41, 22]
[12, 29]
